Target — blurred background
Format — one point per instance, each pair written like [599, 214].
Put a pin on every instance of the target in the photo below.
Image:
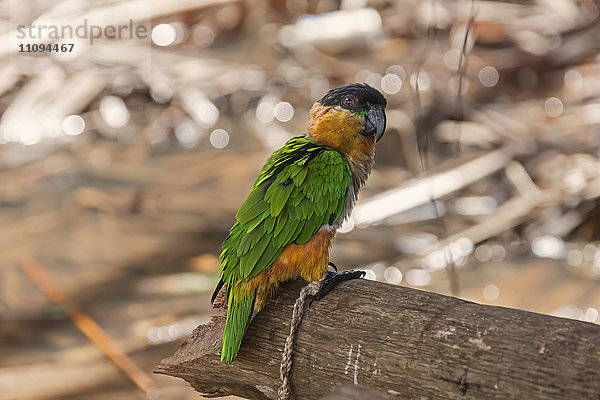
[122, 164]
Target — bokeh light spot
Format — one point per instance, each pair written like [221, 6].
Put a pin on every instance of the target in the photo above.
[574, 257]
[396, 70]
[219, 138]
[573, 79]
[553, 107]
[422, 80]
[391, 83]
[590, 315]
[203, 36]
[491, 292]
[265, 111]
[188, 133]
[483, 253]
[113, 111]
[548, 246]
[283, 111]
[73, 125]
[489, 76]
[393, 275]
[161, 92]
[164, 35]
[451, 59]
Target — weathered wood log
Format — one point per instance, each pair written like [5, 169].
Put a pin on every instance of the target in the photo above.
[401, 341]
[350, 392]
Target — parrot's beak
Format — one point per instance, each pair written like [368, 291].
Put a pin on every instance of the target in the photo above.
[375, 122]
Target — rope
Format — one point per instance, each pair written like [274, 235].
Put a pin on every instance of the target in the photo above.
[311, 289]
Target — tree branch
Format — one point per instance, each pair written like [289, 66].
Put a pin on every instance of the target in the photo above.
[401, 341]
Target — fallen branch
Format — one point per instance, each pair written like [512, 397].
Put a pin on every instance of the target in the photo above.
[401, 341]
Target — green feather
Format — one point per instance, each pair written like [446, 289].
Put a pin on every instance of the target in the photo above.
[253, 199]
[249, 260]
[299, 188]
[269, 225]
[299, 176]
[361, 113]
[238, 315]
[250, 213]
[279, 197]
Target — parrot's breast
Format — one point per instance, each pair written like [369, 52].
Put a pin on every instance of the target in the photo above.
[308, 260]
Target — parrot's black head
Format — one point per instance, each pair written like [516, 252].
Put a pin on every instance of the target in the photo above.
[357, 97]
[350, 119]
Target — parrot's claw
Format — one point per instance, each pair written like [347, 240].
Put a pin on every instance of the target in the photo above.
[332, 279]
[332, 265]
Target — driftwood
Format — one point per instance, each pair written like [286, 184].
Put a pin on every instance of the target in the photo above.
[400, 341]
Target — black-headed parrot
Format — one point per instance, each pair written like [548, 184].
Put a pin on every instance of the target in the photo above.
[301, 197]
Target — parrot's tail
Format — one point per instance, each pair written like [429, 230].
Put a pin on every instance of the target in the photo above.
[238, 317]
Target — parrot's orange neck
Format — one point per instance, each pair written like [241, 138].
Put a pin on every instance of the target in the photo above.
[340, 129]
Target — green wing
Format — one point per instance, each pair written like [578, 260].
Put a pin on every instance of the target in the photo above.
[302, 186]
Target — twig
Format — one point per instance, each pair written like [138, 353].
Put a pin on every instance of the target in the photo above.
[462, 68]
[422, 138]
[88, 326]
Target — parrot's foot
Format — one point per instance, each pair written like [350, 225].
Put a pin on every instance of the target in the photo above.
[332, 279]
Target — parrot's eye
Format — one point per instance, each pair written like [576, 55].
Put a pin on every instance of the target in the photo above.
[348, 101]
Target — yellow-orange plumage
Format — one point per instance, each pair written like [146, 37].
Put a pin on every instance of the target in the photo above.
[308, 261]
[340, 129]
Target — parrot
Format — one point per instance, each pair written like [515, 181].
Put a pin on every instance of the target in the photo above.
[303, 194]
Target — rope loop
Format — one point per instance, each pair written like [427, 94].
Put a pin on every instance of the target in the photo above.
[311, 289]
